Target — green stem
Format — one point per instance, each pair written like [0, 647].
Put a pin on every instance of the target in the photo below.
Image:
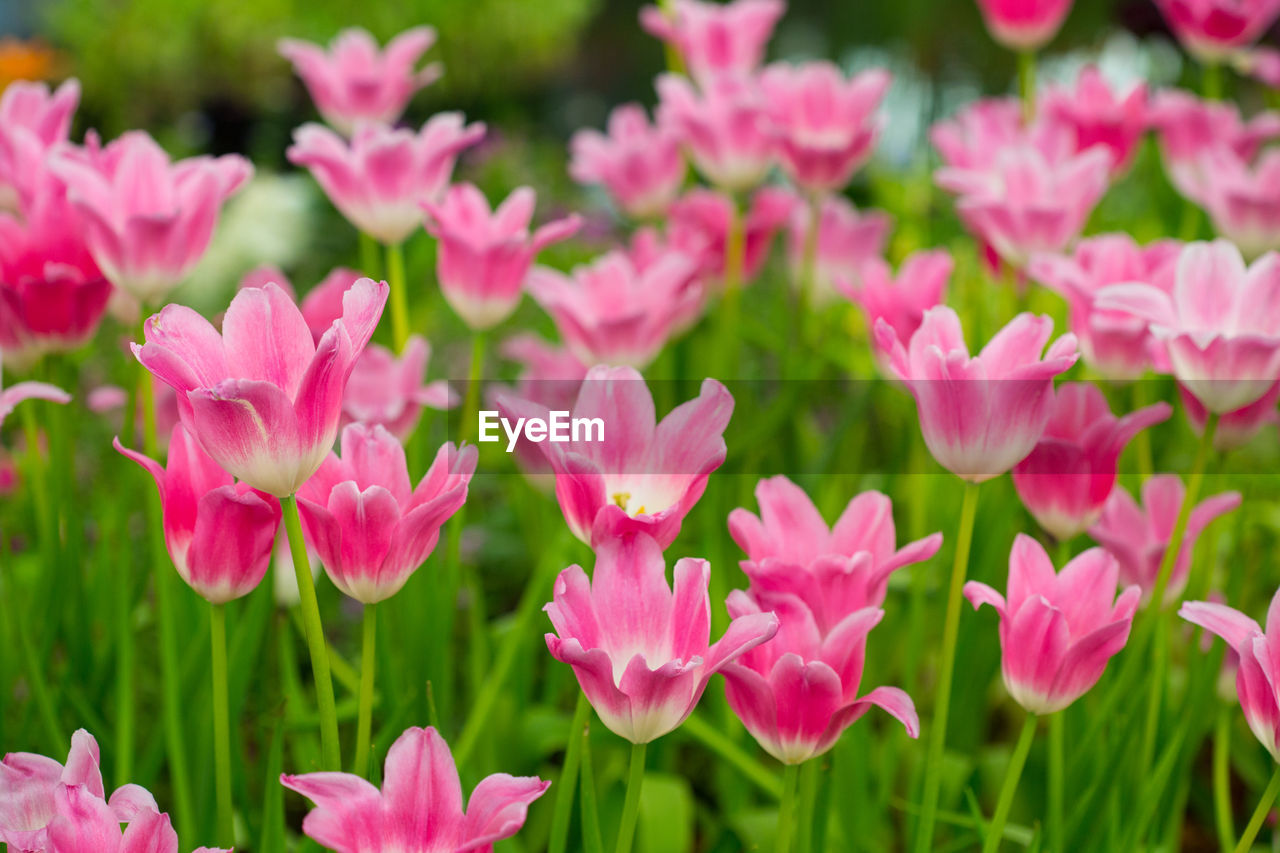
[226, 834]
[1211, 81]
[331, 754]
[808, 269]
[1194, 482]
[715, 740]
[787, 809]
[1260, 813]
[807, 795]
[995, 831]
[1142, 441]
[592, 841]
[125, 659]
[568, 783]
[675, 62]
[368, 255]
[1027, 84]
[1222, 811]
[1057, 788]
[399, 299]
[946, 670]
[631, 806]
[364, 718]
[731, 301]
[471, 403]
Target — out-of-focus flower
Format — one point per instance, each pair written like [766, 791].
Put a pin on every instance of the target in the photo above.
[649, 249]
[1024, 25]
[147, 220]
[1187, 127]
[370, 526]
[644, 475]
[550, 378]
[1243, 198]
[639, 164]
[1213, 30]
[724, 127]
[974, 137]
[1220, 324]
[1262, 63]
[33, 120]
[419, 807]
[1114, 343]
[1138, 536]
[381, 178]
[641, 648]
[26, 60]
[716, 38]
[387, 391]
[262, 398]
[1101, 116]
[608, 312]
[698, 225]
[354, 82]
[980, 415]
[848, 239]
[1257, 664]
[1235, 429]
[13, 395]
[485, 254]
[1024, 203]
[900, 300]
[1058, 630]
[1067, 478]
[824, 125]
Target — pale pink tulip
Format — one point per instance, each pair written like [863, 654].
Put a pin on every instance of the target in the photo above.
[1188, 127]
[219, 532]
[13, 395]
[1114, 343]
[974, 137]
[354, 82]
[848, 239]
[370, 526]
[389, 392]
[1238, 428]
[1138, 536]
[147, 220]
[484, 255]
[381, 178]
[1067, 478]
[716, 38]
[1024, 25]
[640, 647]
[1100, 115]
[1243, 198]
[323, 303]
[608, 312]
[262, 398]
[902, 300]
[724, 127]
[1213, 30]
[698, 225]
[1220, 324]
[980, 415]
[1257, 661]
[640, 165]
[33, 120]
[419, 809]
[824, 124]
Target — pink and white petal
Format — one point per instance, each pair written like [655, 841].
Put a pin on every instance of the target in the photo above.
[979, 594]
[266, 338]
[348, 816]
[421, 791]
[497, 809]
[1228, 623]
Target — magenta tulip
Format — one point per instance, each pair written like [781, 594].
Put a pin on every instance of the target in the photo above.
[715, 38]
[1100, 115]
[974, 137]
[1188, 127]
[698, 225]
[640, 165]
[724, 127]
[902, 300]
[1024, 25]
[848, 240]
[1213, 30]
[33, 121]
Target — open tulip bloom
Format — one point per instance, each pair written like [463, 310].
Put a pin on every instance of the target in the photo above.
[724, 127]
[1024, 25]
[1213, 30]
[715, 38]
[640, 165]
[33, 121]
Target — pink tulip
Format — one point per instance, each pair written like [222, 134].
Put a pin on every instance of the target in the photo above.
[644, 475]
[1114, 343]
[825, 125]
[84, 823]
[975, 136]
[639, 164]
[980, 415]
[1262, 64]
[353, 82]
[371, 528]
[380, 178]
[698, 225]
[1138, 536]
[1243, 199]
[33, 120]
[219, 532]
[32, 787]
[640, 648]
[13, 395]
[1220, 324]
[261, 398]
[323, 303]
[1025, 203]
[419, 809]
[1066, 479]
[609, 312]
[485, 255]
[716, 38]
[1256, 674]
[649, 250]
[1238, 428]
[724, 127]
[1187, 127]
[1212, 30]
[1024, 25]
[848, 239]
[389, 392]
[900, 301]
[550, 378]
[147, 221]
[1100, 115]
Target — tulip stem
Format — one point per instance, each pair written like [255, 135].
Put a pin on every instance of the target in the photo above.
[731, 302]
[1260, 813]
[808, 269]
[568, 782]
[399, 300]
[995, 830]
[1194, 481]
[1223, 818]
[787, 808]
[1027, 84]
[471, 403]
[368, 255]
[364, 717]
[1211, 81]
[946, 670]
[1142, 441]
[631, 806]
[1057, 763]
[221, 725]
[806, 795]
[331, 755]
[675, 62]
